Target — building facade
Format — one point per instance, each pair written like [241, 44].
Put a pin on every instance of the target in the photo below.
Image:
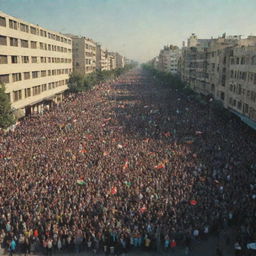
[224, 68]
[168, 59]
[84, 54]
[35, 64]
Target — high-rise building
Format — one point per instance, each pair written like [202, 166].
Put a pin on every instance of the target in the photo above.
[168, 59]
[35, 64]
[84, 54]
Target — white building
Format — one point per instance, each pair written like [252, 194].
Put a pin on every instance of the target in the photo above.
[168, 59]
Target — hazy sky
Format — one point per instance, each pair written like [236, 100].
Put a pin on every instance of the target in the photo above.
[138, 28]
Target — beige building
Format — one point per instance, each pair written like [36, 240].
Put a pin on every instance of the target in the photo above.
[119, 60]
[101, 58]
[224, 68]
[35, 64]
[241, 85]
[84, 54]
[112, 57]
[168, 59]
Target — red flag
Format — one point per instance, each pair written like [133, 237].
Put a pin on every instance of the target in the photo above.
[143, 209]
[125, 165]
[113, 190]
[193, 202]
[160, 166]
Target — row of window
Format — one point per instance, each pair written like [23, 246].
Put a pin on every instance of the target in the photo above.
[237, 89]
[243, 107]
[16, 42]
[5, 78]
[243, 60]
[245, 76]
[32, 30]
[36, 90]
[5, 59]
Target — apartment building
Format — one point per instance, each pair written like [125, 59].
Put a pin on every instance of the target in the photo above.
[119, 60]
[35, 64]
[112, 59]
[224, 68]
[241, 84]
[101, 58]
[168, 59]
[84, 54]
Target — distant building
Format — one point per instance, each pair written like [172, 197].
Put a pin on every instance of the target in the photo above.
[168, 59]
[119, 60]
[35, 64]
[84, 54]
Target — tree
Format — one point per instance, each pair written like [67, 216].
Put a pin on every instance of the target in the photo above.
[6, 116]
[76, 83]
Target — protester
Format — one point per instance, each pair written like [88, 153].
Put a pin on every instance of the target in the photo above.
[128, 164]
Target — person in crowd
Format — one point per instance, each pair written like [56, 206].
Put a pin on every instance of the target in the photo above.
[127, 164]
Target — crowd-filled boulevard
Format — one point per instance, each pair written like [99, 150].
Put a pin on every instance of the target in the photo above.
[131, 163]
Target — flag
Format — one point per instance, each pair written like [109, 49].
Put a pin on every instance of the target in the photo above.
[160, 166]
[125, 165]
[80, 182]
[193, 202]
[143, 209]
[167, 134]
[128, 183]
[113, 190]
[199, 132]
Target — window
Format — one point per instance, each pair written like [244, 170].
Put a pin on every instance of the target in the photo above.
[13, 41]
[49, 47]
[222, 95]
[34, 59]
[2, 21]
[24, 43]
[17, 95]
[25, 59]
[43, 73]
[41, 46]
[33, 30]
[3, 40]
[13, 24]
[27, 92]
[36, 90]
[43, 59]
[49, 59]
[44, 87]
[35, 74]
[49, 72]
[242, 61]
[16, 77]
[254, 60]
[24, 28]
[4, 79]
[14, 59]
[3, 59]
[33, 44]
[27, 75]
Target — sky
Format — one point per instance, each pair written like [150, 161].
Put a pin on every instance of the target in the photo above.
[138, 29]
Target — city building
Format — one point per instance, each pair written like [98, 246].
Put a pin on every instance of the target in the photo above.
[241, 83]
[84, 54]
[119, 60]
[225, 68]
[35, 64]
[102, 62]
[168, 59]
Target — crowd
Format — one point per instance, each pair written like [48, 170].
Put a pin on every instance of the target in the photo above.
[128, 164]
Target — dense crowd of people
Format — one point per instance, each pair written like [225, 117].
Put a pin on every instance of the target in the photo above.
[128, 164]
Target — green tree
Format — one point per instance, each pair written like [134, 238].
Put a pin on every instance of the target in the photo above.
[76, 83]
[6, 116]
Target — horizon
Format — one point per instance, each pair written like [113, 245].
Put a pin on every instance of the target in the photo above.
[138, 33]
